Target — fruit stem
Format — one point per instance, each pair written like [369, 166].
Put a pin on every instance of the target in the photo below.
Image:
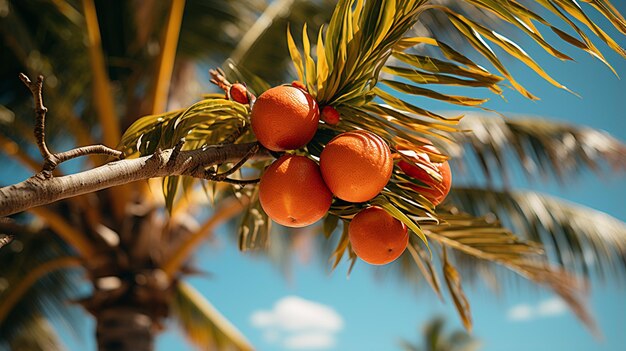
[223, 177]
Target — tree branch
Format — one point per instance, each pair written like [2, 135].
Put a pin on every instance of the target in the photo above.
[40, 112]
[36, 191]
[87, 150]
[51, 161]
[223, 177]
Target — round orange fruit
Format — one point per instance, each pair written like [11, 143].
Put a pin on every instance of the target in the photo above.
[293, 193]
[284, 118]
[435, 191]
[330, 115]
[356, 165]
[239, 92]
[376, 236]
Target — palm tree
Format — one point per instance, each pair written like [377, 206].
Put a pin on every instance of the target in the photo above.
[136, 256]
[434, 339]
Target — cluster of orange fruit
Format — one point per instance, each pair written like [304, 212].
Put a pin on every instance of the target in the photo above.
[355, 166]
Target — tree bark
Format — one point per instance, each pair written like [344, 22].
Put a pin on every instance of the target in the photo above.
[37, 191]
[124, 329]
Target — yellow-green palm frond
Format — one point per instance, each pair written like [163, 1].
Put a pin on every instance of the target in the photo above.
[575, 237]
[540, 147]
[35, 285]
[202, 324]
[211, 121]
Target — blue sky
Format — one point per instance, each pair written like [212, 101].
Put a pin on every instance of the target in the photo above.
[368, 313]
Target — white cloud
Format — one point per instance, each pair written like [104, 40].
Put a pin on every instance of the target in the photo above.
[520, 312]
[551, 307]
[297, 323]
[546, 308]
[309, 340]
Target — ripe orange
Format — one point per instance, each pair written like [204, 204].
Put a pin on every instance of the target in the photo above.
[284, 118]
[330, 115]
[356, 165]
[435, 191]
[293, 193]
[376, 236]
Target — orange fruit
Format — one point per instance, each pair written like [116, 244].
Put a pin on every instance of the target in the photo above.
[284, 118]
[435, 191]
[376, 236]
[293, 193]
[330, 115]
[356, 165]
[239, 92]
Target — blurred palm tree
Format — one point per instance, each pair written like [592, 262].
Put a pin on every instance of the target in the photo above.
[108, 63]
[435, 338]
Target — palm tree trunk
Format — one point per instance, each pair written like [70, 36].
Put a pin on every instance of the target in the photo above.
[124, 329]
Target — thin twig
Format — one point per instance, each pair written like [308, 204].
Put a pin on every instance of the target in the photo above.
[241, 182]
[221, 177]
[210, 175]
[51, 161]
[36, 89]
[87, 150]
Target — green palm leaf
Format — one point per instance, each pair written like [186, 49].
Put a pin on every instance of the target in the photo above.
[576, 237]
[488, 241]
[203, 325]
[436, 338]
[47, 298]
[542, 147]
[38, 335]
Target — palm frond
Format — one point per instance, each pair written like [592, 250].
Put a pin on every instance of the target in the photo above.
[524, 19]
[476, 244]
[542, 147]
[436, 338]
[102, 92]
[38, 335]
[486, 240]
[161, 87]
[203, 325]
[48, 297]
[208, 122]
[576, 237]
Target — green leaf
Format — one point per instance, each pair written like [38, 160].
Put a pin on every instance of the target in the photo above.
[322, 65]
[330, 224]
[295, 56]
[453, 281]
[415, 90]
[488, 241]
[576, 237]
[311, 75]
[203, 324]
[541, 147]
[36, 254]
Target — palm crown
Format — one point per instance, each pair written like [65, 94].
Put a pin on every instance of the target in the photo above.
[365, 62]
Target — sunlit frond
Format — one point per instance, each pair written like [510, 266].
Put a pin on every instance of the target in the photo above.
[37, 255]
[202, 324]
[542, 147]
[576, 237]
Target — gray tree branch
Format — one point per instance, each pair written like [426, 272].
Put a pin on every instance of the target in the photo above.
[37, 191]
[52, 160]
